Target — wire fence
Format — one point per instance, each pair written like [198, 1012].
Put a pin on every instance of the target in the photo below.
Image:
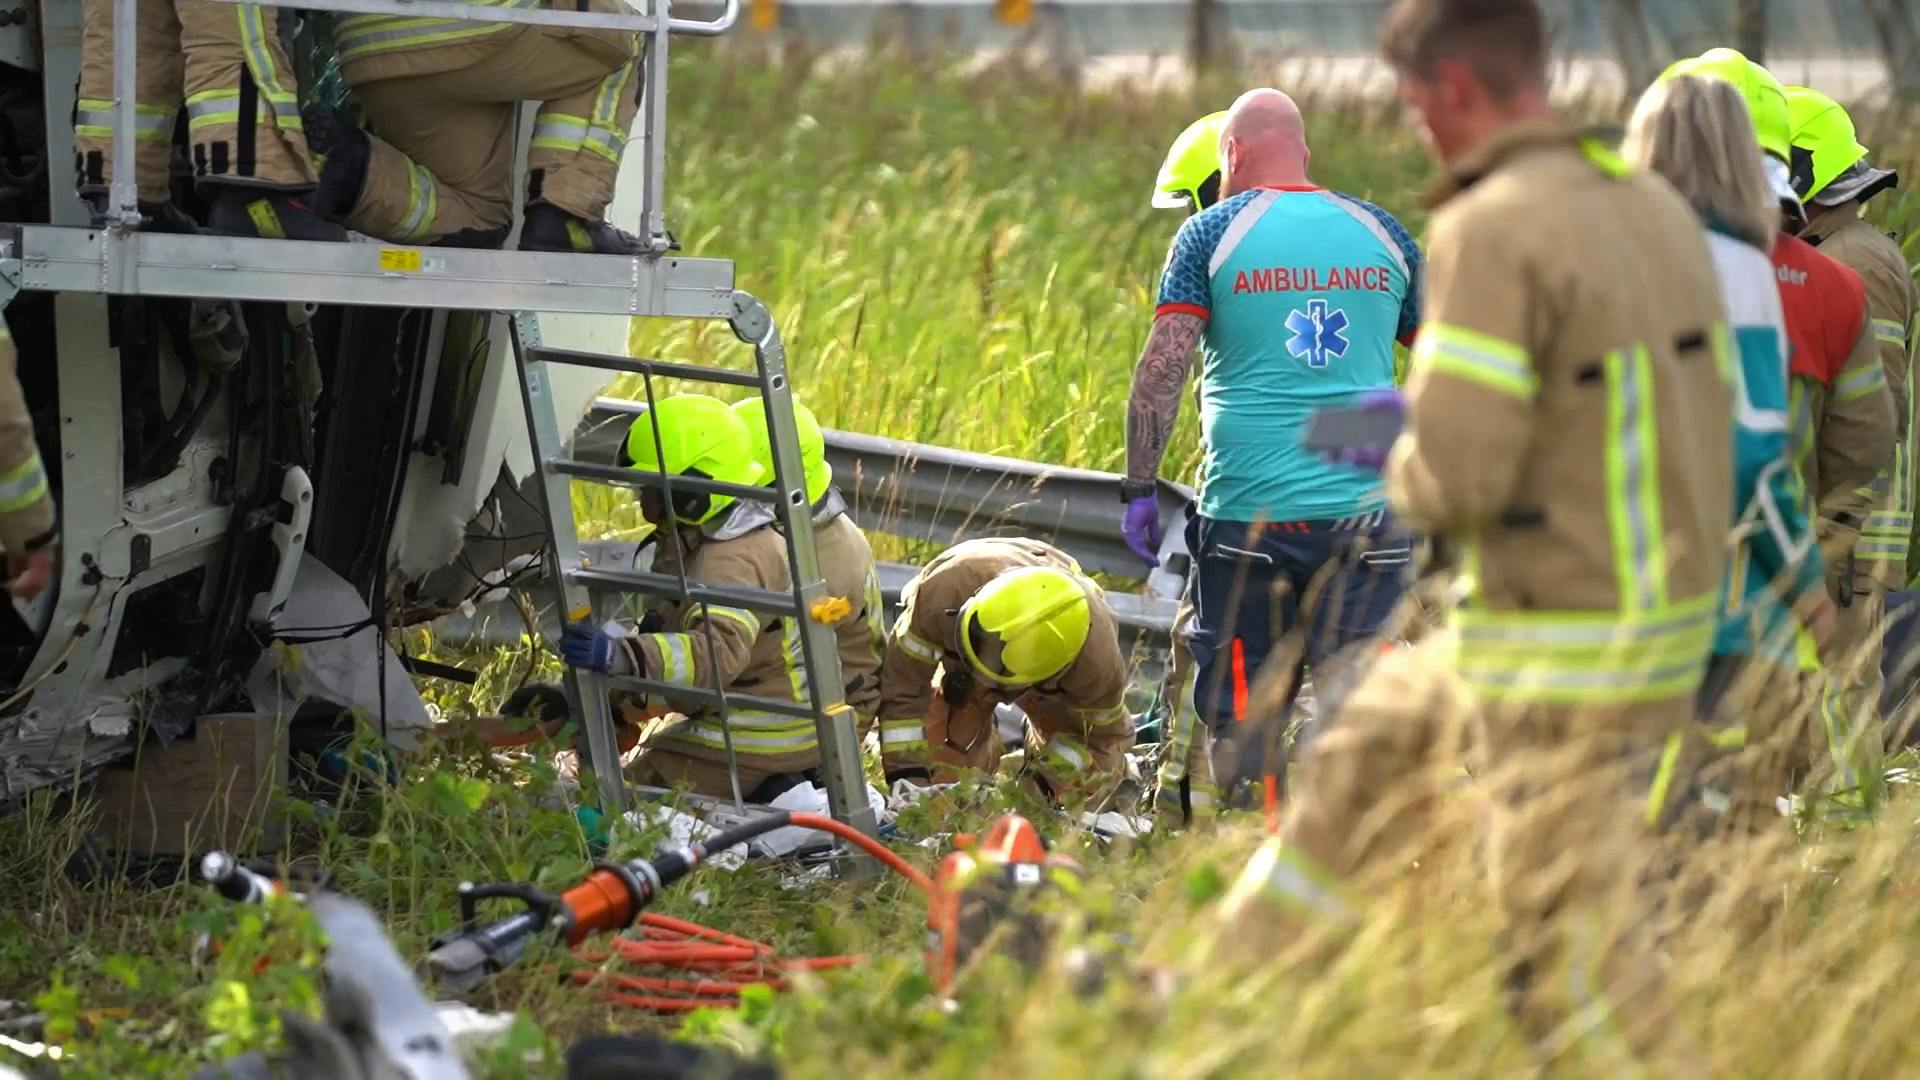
[1862, 48]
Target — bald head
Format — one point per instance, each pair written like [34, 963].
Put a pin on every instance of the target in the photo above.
[1264, 143]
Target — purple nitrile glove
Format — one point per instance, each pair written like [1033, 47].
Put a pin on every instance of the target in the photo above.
[1140, 526]
[1384, 411]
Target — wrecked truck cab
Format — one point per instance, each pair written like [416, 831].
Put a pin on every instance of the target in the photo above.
[252, 477]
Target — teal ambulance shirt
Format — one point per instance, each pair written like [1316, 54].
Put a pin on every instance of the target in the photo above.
[1305, 292]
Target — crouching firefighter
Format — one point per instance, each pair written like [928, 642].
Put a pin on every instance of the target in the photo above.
[721, 541]
[846, 559]
[1568, 425]
[998, 621]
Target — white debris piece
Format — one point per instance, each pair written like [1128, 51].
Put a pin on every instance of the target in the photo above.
[807, 799]
[472, 1029]
[684, 829]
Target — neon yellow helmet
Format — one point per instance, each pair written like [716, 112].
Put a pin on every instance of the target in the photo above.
[1766, 98]
[1026, 625]
[699, 436]
[1825, 144]
[1190, 177]
[813, 444]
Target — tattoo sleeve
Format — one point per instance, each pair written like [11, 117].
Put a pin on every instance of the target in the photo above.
[1158, 382]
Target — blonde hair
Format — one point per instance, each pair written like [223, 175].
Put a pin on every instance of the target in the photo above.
[1697, 133]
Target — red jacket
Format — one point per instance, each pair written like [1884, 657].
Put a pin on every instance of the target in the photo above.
[1843, 429]
[1825, 303]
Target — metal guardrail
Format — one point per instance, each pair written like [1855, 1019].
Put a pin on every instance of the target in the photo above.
[936, 495]
[928, 494]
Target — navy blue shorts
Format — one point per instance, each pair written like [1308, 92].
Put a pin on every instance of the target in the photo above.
[1251, 583]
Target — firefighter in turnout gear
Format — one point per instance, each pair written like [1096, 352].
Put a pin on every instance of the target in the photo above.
[846, 559]
[442, 96]
[224, 62]
[996, 621]
[719, 541]
[1189, 179]
[1568, 435]
[1831, 173]
[27, 529]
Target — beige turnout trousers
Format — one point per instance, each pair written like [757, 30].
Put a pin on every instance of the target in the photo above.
[441, 159]
[1573, 802]
[225, 63]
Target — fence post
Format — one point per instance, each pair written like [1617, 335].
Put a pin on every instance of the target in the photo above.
[1632, 42]
[1201, 29]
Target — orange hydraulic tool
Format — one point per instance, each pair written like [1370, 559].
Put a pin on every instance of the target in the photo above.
[988, 884]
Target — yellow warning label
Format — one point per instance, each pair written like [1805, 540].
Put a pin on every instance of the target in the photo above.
[399, 260]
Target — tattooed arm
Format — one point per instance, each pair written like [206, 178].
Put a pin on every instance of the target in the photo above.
[1158, 382]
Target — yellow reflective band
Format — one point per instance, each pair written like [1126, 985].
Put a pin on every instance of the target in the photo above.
[558, 131]
[902, 733]
[1802, 410]
[94, 117]
[1481, 358]
[1663, 778]
[1063, 749]
[423, 202]
[364, 35]
[913, 645]
[1890, 332]
[1585, 657]
[796, 659]
[1833, 716]
[1633, 481]
[23, 485]
[740, 617]
[1292, 880]
[752, 733]
[676, 658]
[603, 138]
[1859, 382]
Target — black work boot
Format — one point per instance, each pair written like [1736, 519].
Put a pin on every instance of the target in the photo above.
[272, 215]
[549, 228]
[488, 239]
[344, 150]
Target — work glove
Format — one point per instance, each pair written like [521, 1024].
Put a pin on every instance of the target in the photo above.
[1372, 455]
[604, 649]
[1140, 527]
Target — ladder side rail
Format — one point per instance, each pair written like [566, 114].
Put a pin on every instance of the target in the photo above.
[586, 690]
[839, 737]
[653, 131]
[123, 190]
[636, 478]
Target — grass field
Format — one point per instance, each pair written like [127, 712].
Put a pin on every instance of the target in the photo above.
[963, 259]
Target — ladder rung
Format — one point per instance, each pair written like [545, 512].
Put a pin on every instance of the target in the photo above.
[764, 601]
[708, 697]
[663, 368]
[649, 479]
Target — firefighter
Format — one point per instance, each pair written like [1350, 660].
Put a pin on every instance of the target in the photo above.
[1832, 174]
[1189, 179]
[1698, 134]
[1005, 621]
[1844, 434]
[846, 559]
[248, 150]
[442, 96]
[27, 528]
[1289, 547]
[716, 540]
[1567, 432]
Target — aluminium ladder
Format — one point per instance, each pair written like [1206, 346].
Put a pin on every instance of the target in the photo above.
[118, 260]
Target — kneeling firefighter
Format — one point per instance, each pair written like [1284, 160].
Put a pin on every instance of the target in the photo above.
[846, 559]
[716, 540]
[996, 621]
